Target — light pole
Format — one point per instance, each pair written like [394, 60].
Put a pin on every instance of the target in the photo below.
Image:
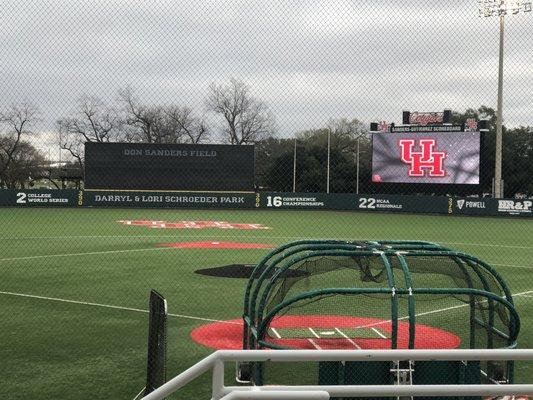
[357, 170]
[358, 153]
[294, 169]
[329, 151]
[489, 8]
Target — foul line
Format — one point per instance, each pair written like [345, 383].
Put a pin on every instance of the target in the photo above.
[86, 303]
[85, 254]
[524, 294]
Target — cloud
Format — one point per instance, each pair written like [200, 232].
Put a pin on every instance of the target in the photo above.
[310, 60]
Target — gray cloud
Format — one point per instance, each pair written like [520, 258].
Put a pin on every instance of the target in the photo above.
[310, 60]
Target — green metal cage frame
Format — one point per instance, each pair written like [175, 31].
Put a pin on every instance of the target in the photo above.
[272, 267]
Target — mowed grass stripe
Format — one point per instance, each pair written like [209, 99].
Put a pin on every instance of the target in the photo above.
[239, 233]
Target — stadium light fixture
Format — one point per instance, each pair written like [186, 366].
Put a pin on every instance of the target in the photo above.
[501, 8]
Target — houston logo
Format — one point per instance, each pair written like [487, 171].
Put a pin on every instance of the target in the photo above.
[426, 160]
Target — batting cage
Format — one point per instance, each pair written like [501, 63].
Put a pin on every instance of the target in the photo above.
[378, 295]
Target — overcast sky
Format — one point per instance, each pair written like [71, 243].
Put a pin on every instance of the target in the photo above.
[309, 60]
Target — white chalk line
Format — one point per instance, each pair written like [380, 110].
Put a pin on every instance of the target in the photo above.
[93, 253]
[314, 333]
[275, 332]
[379, 333]
[522, 294]
[90, 253]
[314, 344]
[244, 234]
[512, 266]
[348, 339]
[86, 303]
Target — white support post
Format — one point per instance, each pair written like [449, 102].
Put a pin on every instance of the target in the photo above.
[218, 379]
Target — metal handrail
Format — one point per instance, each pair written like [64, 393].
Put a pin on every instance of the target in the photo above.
[281, 395]
[215, 362]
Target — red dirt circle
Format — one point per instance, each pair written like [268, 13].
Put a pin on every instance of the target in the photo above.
[227, 335]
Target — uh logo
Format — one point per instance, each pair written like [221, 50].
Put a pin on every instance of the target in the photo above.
[423, 160]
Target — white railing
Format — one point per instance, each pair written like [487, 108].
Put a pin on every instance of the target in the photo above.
[215, 362]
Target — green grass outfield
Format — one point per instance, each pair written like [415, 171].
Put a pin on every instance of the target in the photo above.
[64, 343]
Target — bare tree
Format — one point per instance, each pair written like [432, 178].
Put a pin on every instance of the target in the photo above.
[15, 124]
[192, 129]
[28, 164]
[93, 121]
[161, 124]
[148, 124]
[246, 118]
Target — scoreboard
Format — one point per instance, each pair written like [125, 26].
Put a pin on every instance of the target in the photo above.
[141, 166]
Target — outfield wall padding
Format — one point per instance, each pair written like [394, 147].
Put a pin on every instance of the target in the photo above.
[268, 200]
[373, 203]
[169, 199]
[40, 198]
[399, 203]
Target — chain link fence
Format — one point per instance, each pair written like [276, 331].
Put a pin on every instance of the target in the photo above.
[173, 145]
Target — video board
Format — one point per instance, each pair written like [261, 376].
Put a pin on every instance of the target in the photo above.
[426, 157]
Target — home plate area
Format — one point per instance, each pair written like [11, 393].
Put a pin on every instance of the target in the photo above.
[326, 333]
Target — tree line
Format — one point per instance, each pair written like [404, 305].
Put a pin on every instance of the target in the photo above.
[242, 118]
[275, 160]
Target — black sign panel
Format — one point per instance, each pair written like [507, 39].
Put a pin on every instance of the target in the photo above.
[427, 128]
[40, 198]
[137, 166]
[489, 206]
[370, 203]
[155, 199]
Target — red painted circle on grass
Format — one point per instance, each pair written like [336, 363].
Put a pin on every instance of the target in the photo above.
[216, 245]
[227, 335]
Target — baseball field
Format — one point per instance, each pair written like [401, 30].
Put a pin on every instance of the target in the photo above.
[74, 284]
